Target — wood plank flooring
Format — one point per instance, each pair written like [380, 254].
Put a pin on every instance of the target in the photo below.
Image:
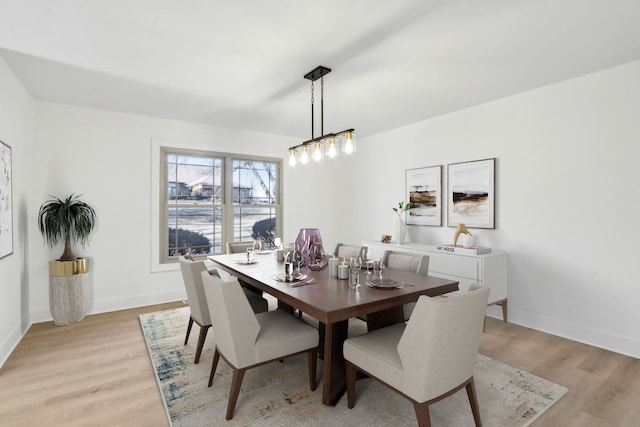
[97, 373]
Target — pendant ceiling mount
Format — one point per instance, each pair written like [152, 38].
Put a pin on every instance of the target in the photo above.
[327, 145]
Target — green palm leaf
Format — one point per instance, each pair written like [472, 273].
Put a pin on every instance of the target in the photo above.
[66, 221]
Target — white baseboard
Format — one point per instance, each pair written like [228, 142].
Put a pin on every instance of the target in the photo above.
[11, 341]
[617, 343]
[105, 306]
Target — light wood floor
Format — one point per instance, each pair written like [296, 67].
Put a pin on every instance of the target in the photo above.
[98, 373]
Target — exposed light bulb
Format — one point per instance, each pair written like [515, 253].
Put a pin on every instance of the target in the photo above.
[349, 145]
[292, 157]
[317, 151]
[304, 154]
[332, 150]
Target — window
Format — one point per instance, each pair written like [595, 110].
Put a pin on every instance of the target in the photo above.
[210, 198]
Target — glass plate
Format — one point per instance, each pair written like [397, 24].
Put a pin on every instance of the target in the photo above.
[384, 283]
[245, 262]
[283, 277]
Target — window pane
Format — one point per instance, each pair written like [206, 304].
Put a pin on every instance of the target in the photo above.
[194, 179]
[194, 231]
[254, 182]
[254, 223]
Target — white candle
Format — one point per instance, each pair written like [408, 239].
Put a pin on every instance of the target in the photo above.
[343, 271]
[333, 266]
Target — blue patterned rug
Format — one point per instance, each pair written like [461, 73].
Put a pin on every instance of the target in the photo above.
[278, 394]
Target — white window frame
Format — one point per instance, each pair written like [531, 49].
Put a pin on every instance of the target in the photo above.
[159, 231]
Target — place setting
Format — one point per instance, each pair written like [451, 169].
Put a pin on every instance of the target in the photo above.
[250, 257]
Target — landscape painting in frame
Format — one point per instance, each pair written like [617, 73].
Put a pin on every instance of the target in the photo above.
[6, 209]
[471, 194]
[425, 193]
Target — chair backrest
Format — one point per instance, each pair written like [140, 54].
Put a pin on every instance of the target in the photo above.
[347, 251]
[233, 321]
[191, 275]
[439, 346]
[239, 247]
[406, 261]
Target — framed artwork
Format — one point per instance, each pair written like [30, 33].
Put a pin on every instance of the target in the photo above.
[6, 202]
[424, 186]
[471, 194]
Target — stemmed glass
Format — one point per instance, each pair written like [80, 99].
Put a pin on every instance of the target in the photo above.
[257, 245]
[297, 260]
[288, 258]
[369, 260]
[355, 262]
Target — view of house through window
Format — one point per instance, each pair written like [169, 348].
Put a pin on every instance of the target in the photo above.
[212, 198]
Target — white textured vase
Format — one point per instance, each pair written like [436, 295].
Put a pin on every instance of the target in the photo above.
[68, 290]
[401, 230]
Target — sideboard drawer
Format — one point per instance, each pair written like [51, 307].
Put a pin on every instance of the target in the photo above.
[462, 266]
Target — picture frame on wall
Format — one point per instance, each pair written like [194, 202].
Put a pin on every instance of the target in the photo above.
[6, 202]
[471, 194]
[424, 188]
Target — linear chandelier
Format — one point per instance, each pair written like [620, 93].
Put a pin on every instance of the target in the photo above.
[328, 145]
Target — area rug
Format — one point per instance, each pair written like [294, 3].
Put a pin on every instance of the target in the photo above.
[278, 394]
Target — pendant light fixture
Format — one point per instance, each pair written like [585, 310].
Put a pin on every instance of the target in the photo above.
[326, 145]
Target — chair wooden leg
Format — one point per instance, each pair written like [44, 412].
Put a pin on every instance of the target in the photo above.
[201, 338]
[214, 365]
[352, 374]
[422, 414]
[313, 363]
[186, 339]
[236, 383]
[473, 400]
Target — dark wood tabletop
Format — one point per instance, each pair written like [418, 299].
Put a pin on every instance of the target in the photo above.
[333, 303]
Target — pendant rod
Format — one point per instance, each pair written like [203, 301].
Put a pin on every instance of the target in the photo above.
[321, 106]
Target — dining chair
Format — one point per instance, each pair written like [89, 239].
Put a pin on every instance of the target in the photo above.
[239, 247]
[246, 340]
[428, 358]
[192, 277]
[416, 263]
[347, 251]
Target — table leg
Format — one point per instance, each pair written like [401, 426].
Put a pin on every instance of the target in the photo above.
[334, 382]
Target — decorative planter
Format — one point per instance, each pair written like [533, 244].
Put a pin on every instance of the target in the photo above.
[401, 230]
[68, 290]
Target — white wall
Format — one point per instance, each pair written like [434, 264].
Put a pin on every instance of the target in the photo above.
[567, 198]
[566, 202]
[106, 157]
[17, 127]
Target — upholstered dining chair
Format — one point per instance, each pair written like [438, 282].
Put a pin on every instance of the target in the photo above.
[246, 340]
[427, 359]
[191, 275]
[408, 262]
[347, 251]
[239, 247]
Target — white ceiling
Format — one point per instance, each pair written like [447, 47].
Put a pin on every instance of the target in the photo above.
[240, 63]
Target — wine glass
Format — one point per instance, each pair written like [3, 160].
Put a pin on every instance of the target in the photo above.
[257, 245]
[355, 262]
[369, 260]
[297, 260]
[288, 258]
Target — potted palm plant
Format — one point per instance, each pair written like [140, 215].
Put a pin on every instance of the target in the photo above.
[67, 221]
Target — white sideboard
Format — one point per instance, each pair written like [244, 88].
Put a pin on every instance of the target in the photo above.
[488, 269]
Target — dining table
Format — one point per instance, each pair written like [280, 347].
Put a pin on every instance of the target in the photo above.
[332, 303]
